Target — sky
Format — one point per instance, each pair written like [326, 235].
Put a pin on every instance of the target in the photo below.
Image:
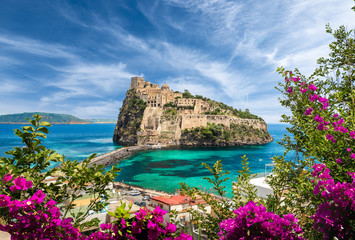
[77, 57]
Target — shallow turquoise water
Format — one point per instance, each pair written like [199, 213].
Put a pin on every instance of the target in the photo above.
[156, 169]
[165, 169]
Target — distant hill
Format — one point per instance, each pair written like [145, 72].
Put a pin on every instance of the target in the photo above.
[53, 118]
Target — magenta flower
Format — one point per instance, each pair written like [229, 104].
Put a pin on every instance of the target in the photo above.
[322, 127]
[4, 200]
[339, 160]
[335, 115]
[352, 155]
[254, 222]
[348, 149]
[290, 90]
[331, 138]
[303, 90]
[20, 184]
[318, 118]
[286, 79]
[312, 87]
[106, 226]
[296, 79]
[171, 228]
[308, 111]
[7, 177]
[38, 197]
[313, 97]
[352, 134]
[303, 83]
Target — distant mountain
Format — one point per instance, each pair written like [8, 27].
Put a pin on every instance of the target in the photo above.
[53, 118]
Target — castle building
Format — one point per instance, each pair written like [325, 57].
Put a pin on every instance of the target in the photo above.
[152, 94]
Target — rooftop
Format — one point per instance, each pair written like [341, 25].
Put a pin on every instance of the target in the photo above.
[172, 200]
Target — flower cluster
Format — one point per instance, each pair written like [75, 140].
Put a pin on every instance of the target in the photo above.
[318, 105]
[334, 216]
[34, 218]
[145, 225]
[254, 222]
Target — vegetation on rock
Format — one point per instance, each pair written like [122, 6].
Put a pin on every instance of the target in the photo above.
[129, 119]
[219, 134]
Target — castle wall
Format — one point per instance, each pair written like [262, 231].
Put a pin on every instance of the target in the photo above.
[219, 119]
[192, 121]
[255, 123]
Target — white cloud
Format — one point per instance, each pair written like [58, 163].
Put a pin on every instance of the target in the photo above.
[105, 109]
[35, 47]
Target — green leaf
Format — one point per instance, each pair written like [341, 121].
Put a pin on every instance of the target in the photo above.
[46, 124]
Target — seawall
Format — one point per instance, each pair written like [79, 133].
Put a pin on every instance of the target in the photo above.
[121, 153]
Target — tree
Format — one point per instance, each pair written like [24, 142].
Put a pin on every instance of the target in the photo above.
[322, 130]
[74, 178]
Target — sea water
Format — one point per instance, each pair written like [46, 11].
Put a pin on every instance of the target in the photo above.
[156, 169]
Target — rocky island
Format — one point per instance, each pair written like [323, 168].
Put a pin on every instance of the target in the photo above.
[151, 115]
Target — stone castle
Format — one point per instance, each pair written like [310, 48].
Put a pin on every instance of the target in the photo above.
[155, 96]
[156, 128]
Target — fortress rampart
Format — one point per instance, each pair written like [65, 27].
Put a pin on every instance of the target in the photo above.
[165, 125]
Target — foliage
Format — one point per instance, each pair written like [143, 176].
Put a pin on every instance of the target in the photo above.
[169, 113]
[49, 117]
[322, 130]
[222, 135]
[170, 104]
[34, 160]
[129, 119]
[187, 94]
[336, 216]
[37, 218]
[31, 216]
[243, 190]
[145, 224]
[254, 222]
[220, 205]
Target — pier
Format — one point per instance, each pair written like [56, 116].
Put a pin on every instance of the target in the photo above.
[121, 153]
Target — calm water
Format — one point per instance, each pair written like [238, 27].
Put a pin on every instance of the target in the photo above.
[157, 169]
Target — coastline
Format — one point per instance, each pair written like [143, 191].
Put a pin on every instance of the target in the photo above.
[70, 123]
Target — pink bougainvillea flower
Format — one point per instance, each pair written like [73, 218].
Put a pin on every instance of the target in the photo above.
[286, 79]
[322, 127]
[352, 134]
[308, 111]
[312, 87]
[20, 183]
[331, 138]
[313, 97]
[318, 118]
[290, 90]
[38, 197]
[348, 149]
[336, 115]
[296, 79]
[339, 160]
[4, 200]
[303, 83]
[7, 177]
[352, 155]
[303, 90]
[106, 226]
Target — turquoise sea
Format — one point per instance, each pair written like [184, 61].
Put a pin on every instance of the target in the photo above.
[157, 169]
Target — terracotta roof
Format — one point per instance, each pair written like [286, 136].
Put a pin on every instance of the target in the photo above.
[172, 200]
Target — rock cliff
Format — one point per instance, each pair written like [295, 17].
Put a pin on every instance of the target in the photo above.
[153, 115]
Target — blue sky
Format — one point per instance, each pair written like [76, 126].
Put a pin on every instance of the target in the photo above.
[77, 57]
